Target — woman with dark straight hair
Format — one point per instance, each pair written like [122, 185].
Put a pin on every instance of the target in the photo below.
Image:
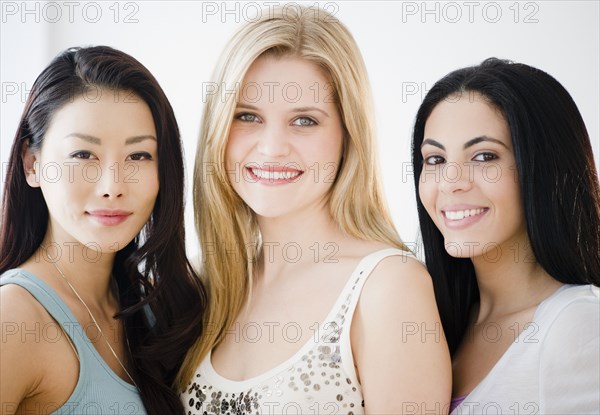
[509, 208]
[98, 299]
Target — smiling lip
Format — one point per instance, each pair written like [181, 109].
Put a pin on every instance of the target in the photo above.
[462, 216]
[109, 217]
[273, 176]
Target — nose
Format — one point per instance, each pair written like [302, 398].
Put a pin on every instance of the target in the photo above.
[112, 182]
[273, 142]
[456, 177]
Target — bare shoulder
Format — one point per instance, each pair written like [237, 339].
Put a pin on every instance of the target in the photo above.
[396, 264]
[23, 319]
[22, 347]
[398, 345]
[18, 305]
[400, 273]
[399, 287]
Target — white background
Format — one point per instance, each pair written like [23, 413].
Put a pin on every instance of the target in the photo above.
[407, 46]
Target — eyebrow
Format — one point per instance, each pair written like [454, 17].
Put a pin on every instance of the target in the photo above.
[305, 109]
[299, 109]
[95, 140]
[432, 142]
[468, 144]
[482, 139]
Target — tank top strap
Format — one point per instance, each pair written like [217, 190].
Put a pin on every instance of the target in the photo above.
[359, 278]
[351, 295]
[53, 304]
[67, 321]
[98, 389]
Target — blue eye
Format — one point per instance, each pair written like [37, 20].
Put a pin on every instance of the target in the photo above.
[246, 117]
[304, 122]
[140, 156]
[84, 155]
[485, 157]
[433, 160]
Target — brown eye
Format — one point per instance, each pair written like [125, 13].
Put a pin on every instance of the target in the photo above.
[485, 157]
[83, 155]
[140, 156]
[433, 160]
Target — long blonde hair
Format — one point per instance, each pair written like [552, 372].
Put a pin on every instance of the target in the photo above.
[227, 228]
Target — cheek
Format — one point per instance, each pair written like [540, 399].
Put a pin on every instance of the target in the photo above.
[154, 185]
[145, 173]
[505, 189]
[144, 185]
[51, 173]
[67, 186]
[235, 150]
[336, 151]
[511, 198]
[336, 144]
[323, 154]
[427, 194]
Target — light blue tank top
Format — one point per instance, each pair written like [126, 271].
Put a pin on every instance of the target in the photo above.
[99, 390]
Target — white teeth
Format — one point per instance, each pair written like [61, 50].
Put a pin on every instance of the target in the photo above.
[275, 175]
[461, 214]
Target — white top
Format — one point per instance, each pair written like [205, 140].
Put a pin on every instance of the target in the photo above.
[553, 367]
[318, 379]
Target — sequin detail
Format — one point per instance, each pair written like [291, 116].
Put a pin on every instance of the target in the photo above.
[207, 401]
[317, 383]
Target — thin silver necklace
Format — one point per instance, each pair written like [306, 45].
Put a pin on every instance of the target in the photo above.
[62, 274]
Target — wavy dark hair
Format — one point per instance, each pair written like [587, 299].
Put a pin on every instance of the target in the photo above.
[559, 184]
[153, 275]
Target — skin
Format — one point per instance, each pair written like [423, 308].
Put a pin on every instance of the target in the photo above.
[278, 132]
[124, 148]
[465, 134]
[309, 134]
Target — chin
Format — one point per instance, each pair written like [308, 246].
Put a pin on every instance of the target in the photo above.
[459, 248]
[267, 213]
[266, 209]
[106, 246]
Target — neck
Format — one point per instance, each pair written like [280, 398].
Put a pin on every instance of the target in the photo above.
[510, 280]
[88, 271]
[302, 238]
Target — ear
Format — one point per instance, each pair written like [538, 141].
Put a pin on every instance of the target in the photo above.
[31, 165]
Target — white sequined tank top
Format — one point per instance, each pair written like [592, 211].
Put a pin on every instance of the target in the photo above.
[318, 379]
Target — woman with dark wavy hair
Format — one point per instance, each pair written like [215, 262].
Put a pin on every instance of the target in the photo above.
[509, 208]
[98, 301]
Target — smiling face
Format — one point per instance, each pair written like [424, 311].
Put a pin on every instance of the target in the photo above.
[98, 170]
[468, 181]
[285, 142]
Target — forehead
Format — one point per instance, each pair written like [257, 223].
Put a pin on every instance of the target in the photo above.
[285, 79]
[465, 116]
[105, 111]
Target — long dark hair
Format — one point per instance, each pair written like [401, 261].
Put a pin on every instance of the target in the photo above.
[557, 176]
[153, 274]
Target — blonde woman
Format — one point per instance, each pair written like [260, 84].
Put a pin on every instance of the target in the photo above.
[316, 305]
